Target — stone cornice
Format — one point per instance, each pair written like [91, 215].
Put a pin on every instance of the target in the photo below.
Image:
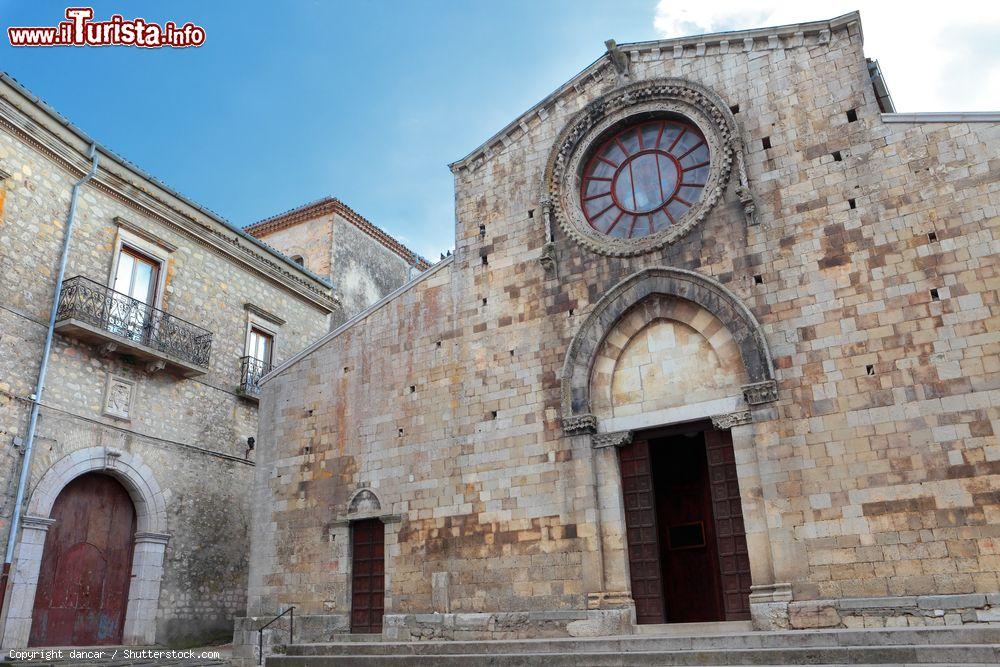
[130, 226]
[329, 205]
[265, 314]
[40, 127]
[796, 35]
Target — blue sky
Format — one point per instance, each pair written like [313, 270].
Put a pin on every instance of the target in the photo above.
[368, 101]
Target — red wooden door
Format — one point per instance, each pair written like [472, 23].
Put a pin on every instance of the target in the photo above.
[367, 576]
[642, 536]
[730, 533]
[86, 566]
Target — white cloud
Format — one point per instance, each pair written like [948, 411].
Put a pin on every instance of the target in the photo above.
[935, 56]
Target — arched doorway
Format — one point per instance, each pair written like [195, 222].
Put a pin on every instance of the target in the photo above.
[685, 534]
[668, 375]
[83, 581]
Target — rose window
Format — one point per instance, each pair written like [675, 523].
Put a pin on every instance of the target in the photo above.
[644, 178]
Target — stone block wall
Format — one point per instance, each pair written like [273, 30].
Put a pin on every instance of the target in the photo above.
[364, 270]
[871, 272]
[363, 263]
[191, 431]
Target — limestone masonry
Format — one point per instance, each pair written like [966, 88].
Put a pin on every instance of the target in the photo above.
[328, 237]
[155, 387]
[819, 314]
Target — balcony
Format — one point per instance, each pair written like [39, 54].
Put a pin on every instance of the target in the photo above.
[98, 314]
[251, 371]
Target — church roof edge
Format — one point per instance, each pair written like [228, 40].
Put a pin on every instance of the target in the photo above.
[592, 70]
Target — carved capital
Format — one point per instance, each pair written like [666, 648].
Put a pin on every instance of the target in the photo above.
[579, 424]
[147, 537]
[36, 522]
[548, 258]
[727, 421]
[616, 439]
[760, 392]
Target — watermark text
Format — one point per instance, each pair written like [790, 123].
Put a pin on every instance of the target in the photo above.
[79, 29]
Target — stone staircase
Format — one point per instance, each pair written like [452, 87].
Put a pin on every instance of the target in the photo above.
[959, 645]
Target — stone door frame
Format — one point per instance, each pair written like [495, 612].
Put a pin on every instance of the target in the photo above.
[738, 413]
[364, 503]
[150, 542]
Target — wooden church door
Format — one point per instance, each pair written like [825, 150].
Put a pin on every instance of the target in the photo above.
[367, 575]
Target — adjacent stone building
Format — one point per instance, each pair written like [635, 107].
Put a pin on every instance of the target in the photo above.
[326, 236]
[719, 341]
[136, 519]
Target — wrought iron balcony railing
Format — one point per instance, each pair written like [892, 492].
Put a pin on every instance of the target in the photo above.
[252, 370]
[95, 311]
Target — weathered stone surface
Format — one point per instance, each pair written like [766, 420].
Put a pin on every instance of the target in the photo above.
[861, 305]
[362, 261]
[190, 434]
[808, 615]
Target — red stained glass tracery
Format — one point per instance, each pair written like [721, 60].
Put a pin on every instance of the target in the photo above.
[644, 178]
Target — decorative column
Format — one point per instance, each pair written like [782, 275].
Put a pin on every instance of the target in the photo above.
[24, 580]
[144, 591]
[769, 597]
[615, 591]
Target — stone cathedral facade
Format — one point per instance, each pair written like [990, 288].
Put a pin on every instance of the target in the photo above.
[718, 342]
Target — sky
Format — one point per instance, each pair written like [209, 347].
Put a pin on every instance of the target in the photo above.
[288, 102]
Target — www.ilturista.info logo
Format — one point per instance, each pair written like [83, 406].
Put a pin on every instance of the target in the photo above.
[80, 30]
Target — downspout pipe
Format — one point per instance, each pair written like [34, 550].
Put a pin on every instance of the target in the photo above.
[36, 398]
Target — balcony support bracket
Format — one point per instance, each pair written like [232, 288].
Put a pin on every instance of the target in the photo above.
[155, 366]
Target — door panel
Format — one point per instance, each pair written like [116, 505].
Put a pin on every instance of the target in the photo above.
[641, 531]
[689, 561]
[86, 566]
[734, 561]
[367, 576]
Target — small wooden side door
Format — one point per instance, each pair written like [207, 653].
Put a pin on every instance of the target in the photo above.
[367, 576]
[642, 535]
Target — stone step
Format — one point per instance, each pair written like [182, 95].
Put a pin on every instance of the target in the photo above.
[831, 655]
[348, 637]
[963, 635]
[721, 627]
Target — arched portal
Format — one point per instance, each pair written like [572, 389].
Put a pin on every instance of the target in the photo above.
[148, 541]
[663, 375]
[86, 564]
[702, 292]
